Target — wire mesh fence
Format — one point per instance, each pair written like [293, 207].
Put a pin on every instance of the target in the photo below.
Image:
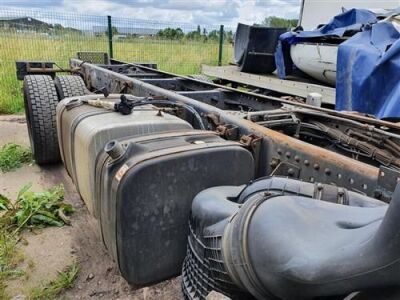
[49, 36]
[178, 48]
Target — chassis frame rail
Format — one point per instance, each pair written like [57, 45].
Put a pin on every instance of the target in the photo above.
[276, 153]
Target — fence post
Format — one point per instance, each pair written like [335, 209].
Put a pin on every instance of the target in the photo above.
[221, 44]
[110, 36]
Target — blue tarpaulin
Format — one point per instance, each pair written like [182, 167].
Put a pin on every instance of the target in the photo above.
[368, 72]
[368, 63]
[350, 21]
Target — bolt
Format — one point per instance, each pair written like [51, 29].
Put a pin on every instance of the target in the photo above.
[290, 172]
[279, 151]
[273, 163]
[306, 162]
[316, 166]
[297, 158]
[320, 186]
[288, 154]
[328, 171]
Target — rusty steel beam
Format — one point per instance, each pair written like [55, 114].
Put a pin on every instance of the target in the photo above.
[311, 162]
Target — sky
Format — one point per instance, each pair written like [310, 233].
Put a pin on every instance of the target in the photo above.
[204, 12]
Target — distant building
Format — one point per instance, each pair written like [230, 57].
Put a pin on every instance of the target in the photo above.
[120, 36]
[24, 23]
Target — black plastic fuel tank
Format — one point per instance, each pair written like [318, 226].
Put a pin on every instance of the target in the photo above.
[147, 187]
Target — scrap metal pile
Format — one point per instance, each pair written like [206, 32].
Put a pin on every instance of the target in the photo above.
[253, 196]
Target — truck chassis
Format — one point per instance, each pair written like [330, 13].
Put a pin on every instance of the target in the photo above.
[287, 138]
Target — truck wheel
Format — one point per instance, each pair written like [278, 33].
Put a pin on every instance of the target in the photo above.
[40, 97]
[70, 86]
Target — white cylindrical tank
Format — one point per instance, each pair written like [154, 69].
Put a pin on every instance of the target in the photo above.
[317, 60]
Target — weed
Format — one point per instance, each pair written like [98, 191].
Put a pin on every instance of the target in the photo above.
[9, 256]
[12, 156]
[31, 264]
[31, 210]
[53, 288]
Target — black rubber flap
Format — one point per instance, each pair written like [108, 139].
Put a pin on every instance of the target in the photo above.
[255, 48]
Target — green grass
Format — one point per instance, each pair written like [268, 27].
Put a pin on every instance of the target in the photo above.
[10, 257]
[181, 57]
[52, 289]
[12, 156]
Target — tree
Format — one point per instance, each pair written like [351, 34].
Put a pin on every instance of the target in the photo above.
[58, 27]
[213, 35]
[114, 30]
[193, 35]
[273, 21]
[228, 36]
[171, 33]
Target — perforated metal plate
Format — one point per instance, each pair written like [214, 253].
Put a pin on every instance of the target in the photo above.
[93, 57]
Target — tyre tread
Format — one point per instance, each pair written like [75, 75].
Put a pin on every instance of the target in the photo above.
[70, 86]
[41, 99]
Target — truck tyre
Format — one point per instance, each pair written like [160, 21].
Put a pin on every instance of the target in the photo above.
[70, 86]
[40, 98]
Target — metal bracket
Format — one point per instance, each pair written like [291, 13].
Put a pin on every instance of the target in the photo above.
[213, 118]
[228, 131]
[253, 143]
[388, 179]
[34, 68]
[124, 86]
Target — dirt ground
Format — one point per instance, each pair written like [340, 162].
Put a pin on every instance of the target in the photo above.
[52, 249]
